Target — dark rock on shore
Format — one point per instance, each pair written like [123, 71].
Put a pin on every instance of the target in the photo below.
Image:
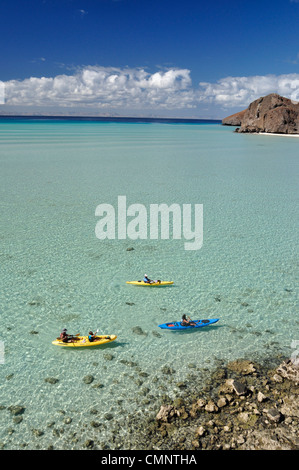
[271, 114]
[254, 408]
[240, 405]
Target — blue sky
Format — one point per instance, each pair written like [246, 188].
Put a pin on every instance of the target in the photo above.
[146, 57]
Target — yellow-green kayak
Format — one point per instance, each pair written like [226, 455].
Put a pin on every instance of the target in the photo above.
[150, 284]
[82, 341]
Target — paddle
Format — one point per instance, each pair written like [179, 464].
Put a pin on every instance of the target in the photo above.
[106, 337]
[191, 322]
[94, 335]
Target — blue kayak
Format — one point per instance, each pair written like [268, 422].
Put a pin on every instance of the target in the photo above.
[177, 325]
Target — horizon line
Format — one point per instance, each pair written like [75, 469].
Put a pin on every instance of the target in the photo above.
[66, 116]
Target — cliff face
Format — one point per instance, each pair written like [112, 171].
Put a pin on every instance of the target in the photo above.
[272, 114]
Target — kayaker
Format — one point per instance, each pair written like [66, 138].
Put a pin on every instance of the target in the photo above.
[91, 337]
[65, 337]
[146, 279]
[187, 321]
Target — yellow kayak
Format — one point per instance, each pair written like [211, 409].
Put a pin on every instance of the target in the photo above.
[150, 284]
[82, 341]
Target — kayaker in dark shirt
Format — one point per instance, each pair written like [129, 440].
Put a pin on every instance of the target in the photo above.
[65, 337]
[187, 321]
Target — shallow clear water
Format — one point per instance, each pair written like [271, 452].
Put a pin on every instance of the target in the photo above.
[55, 273]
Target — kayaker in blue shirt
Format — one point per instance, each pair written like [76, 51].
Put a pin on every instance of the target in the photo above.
[91, 337]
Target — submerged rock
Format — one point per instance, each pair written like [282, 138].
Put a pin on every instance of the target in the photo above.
[89, 443]
[138, 331]
[17, 419]
[67, 420]
[51, 380]
[17, 410]
[88, 379]
[108, 356]
[37, 432]
[167, 370]
[243, 367]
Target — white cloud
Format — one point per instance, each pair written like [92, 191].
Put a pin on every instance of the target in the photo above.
[115, 89]
[83, 12]
[105, 87]
[240, 91]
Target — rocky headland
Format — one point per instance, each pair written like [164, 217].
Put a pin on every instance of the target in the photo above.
[270, 114]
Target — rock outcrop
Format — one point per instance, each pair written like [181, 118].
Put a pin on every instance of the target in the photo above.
[271, 114]
[256, 409]
[234, 119]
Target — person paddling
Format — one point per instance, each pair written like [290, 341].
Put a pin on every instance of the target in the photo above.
[91, 337]
[187, 321]
[147, 280]
[65, 338]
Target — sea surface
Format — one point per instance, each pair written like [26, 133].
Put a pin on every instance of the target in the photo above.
[55, 272]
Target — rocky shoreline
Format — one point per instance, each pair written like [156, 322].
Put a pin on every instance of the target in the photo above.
[241, 405]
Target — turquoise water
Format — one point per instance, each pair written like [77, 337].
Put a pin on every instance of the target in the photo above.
[56, 274]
